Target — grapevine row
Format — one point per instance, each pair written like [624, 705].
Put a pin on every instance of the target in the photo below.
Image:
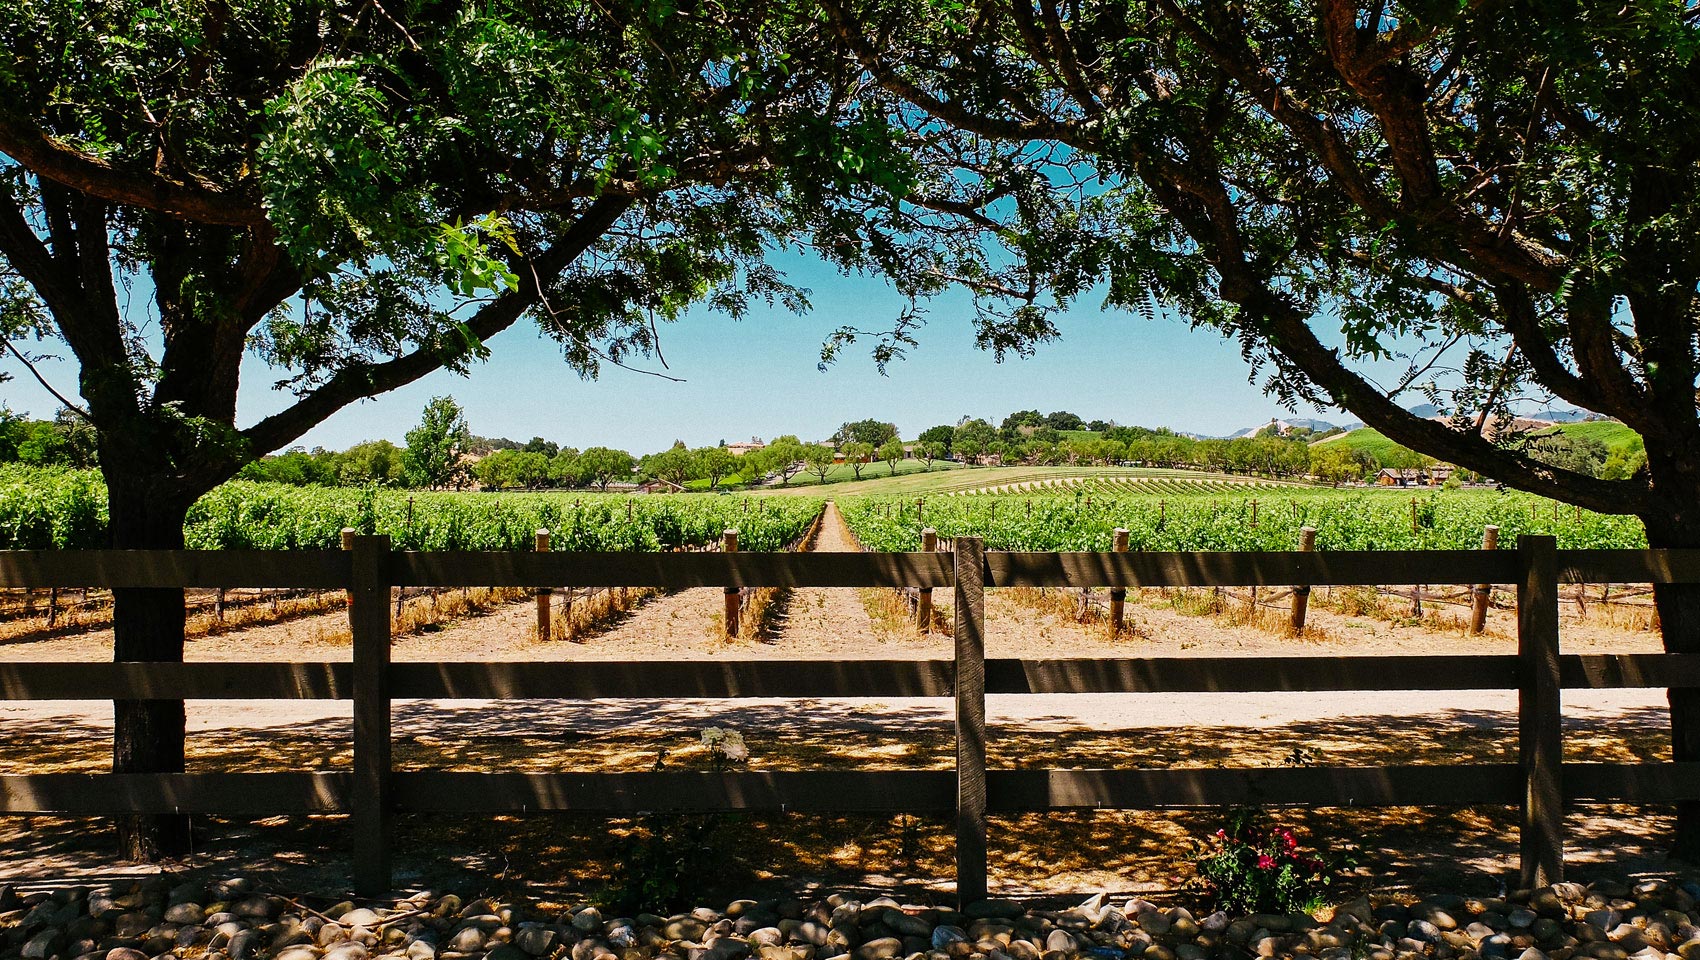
[64, 509]
[1240, 521]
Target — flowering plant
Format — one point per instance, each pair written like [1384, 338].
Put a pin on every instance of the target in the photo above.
[1255, 866]
[725, 747]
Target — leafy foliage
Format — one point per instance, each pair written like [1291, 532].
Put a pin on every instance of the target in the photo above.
[1369, 520]
[1253, 865]
[66, 509]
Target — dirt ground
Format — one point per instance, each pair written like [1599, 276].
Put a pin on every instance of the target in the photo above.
[1452, 848]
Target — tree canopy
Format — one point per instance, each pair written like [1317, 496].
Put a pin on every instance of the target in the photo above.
[1501, 196]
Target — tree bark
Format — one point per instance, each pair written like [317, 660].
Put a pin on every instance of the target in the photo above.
[148, 735]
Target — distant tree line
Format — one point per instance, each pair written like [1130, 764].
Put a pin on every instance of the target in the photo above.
[441, 452]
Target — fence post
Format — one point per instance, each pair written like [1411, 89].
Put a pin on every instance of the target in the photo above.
[1483, 592]
[1538, 712]
[348, 535]
[734, 599]
[924, 596]
[1118, 595]
[970, 720]
[369, 621]
[1301, 595]
[543, 593]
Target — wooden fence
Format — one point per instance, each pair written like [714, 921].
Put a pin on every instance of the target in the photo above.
[1539, 783]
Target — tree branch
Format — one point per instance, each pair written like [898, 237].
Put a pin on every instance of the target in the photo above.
[54, 160]
[360, 381]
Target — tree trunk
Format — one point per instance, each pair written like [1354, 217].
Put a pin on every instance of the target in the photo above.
[1678, 605]
[148, 735]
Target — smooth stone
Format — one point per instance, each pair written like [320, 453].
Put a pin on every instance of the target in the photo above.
[245, 943]
[125, 953]
[43, 945]
[907, 924]
[1022, 950]
[253, 907]
[588, 920]
[535, 941]
[944, 935]
[297, 953]
[1061, 941]
[505, 951]
[684, 928]
[185, 913]
[994, 909]
[347, 951]
[466, 940]
[359, 917]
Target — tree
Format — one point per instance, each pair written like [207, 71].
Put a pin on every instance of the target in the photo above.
[677, 465]
[539, 445]
[512, 469]
[819, 459]
[375, 461]
[870, 432]
[1511, 186]
[930, 450]
[1334, 463]
[782, 458]
[858, 455]
[715, 464]
[891, 452]
[601, 466]
[1063, 420]
[565, 469]
[435, 447]
[972, 439]
[1577, 454]
[361, 195]
[1021, 421]
[942, 434]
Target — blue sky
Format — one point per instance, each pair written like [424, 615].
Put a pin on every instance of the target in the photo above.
[758, 377]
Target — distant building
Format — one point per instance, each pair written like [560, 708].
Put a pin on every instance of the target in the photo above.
[1414, 476]
[745, 446]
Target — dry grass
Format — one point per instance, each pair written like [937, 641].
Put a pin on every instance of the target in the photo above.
[893, 614]
[579, 617]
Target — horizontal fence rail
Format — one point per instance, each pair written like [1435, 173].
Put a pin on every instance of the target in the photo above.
[374, 791]
[772, 679]
[331, 569]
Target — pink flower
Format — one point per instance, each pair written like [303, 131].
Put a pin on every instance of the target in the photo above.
[1265, 862]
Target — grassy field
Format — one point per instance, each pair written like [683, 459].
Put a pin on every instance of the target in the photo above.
[1613, 434]
[1365, 440]
[979, 479]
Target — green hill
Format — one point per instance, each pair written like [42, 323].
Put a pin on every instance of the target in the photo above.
[1365, 440]
[1616, 437]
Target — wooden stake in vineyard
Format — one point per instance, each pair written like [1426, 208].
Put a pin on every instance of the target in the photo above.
[1254, 526]
[1118, 595]
[1483, 591]
[1301, 595]
[924, 596]
[347, 544]
[544, 621]
[734, 599]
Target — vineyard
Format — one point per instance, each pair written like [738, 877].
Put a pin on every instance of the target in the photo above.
[63, 509]
[1155, 483]
[1086, 519]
